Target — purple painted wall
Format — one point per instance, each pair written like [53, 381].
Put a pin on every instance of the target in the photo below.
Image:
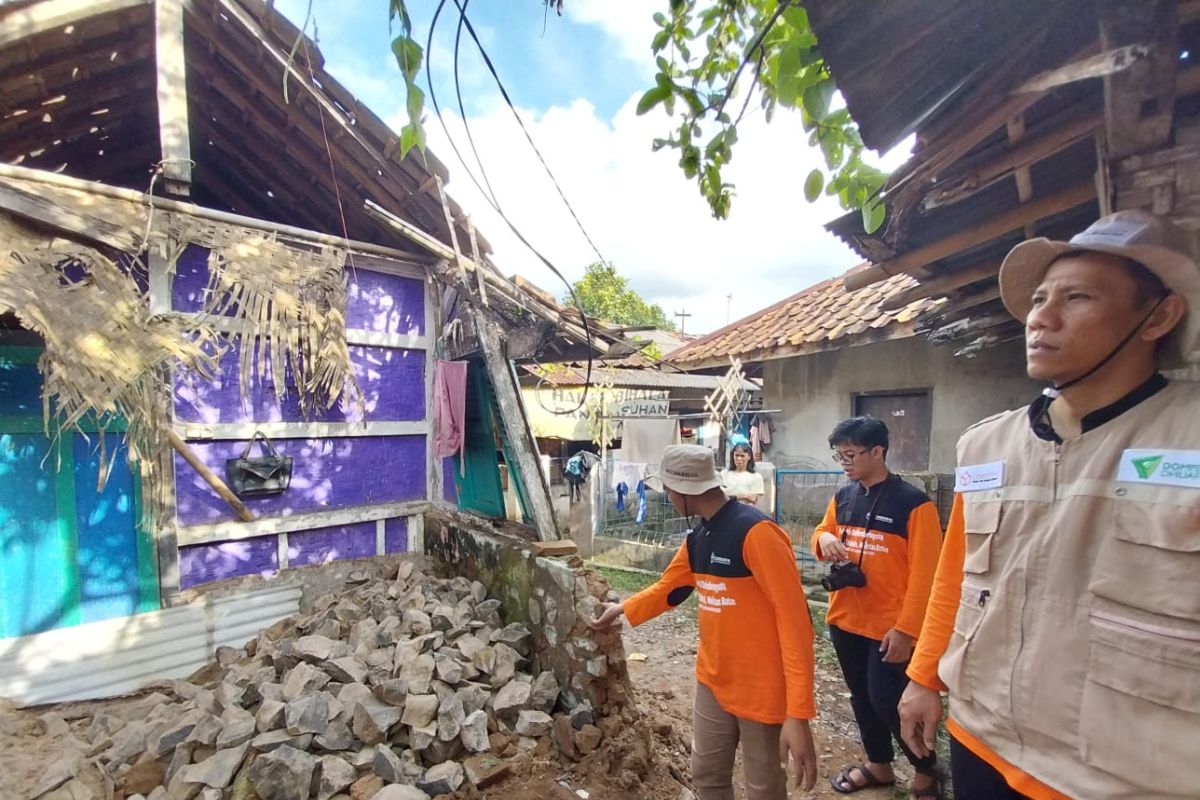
[392, 382]
[395, 535]
[376, 302]
[327, 474]
[200, 563]
[386, 303]
[323, 545]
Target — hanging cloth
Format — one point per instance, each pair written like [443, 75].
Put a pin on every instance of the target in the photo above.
[641, 493]
[450, 411]
[622, 490]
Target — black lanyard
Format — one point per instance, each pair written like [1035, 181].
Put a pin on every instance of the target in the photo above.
[870, 519]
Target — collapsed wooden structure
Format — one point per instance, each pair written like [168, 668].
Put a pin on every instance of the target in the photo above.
[1031, 119]
[200, 145]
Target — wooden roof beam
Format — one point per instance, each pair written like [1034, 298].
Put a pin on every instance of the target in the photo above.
[1139, 102]
[171, 66]
[914, 261]
[1026, 153]
[50, 15]
[942, 285]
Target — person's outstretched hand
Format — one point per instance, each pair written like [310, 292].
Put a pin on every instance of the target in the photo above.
[610, 615]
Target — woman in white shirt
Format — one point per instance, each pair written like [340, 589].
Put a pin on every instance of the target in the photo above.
[740, 481]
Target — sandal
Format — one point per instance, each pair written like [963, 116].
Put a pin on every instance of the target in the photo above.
[842, 783]
[935, 791]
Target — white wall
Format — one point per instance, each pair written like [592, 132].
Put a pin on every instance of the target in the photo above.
[815, 392]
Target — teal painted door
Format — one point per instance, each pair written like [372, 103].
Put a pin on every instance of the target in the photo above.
[69, 553]
[479, 488]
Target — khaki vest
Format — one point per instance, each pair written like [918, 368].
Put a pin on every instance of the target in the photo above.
[1076, 648]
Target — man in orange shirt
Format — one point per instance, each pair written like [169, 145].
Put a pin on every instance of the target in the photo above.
[1064, 619]
[754, 666]
[883, 535]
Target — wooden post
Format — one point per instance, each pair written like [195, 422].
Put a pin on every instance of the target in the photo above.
[516, 429]
[172, 96]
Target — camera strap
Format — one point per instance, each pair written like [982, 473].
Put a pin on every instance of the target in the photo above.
[870, 518]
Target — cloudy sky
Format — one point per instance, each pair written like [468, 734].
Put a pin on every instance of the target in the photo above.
[575, 80]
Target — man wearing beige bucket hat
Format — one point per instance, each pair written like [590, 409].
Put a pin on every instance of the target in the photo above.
[1065, 615]
[754, 665]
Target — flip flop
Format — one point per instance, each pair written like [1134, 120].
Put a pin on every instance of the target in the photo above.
[842, 783]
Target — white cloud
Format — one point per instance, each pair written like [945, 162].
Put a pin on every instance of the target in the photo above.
[644, 215]
[629, 22]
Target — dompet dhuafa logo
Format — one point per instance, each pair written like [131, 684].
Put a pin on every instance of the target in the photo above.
[1162, 467]
[1145, 466]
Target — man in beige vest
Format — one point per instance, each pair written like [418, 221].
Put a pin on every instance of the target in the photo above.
[1065, 615]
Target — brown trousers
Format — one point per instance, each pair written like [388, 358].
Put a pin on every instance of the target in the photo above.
[715, 737]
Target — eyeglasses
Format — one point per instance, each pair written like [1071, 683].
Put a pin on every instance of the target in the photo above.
[847, 458]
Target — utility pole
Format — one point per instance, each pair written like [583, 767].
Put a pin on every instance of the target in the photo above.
[728, 306]
[682, 315]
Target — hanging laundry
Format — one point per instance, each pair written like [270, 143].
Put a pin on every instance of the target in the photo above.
[627, 472]
[755, 443]
[643, 440]
[641, 493]
[450, 410]
[622, 490]
[764, 430]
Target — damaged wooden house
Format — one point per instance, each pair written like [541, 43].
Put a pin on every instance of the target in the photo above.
[223, 300]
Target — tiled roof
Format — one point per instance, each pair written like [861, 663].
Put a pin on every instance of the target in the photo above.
[822, 317]
[563, 375]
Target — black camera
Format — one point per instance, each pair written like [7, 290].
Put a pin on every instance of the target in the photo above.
[843, 574]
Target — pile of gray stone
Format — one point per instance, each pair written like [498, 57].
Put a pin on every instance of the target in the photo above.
[384, 690]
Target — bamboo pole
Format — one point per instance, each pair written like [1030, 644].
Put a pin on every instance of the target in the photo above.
[211, 478]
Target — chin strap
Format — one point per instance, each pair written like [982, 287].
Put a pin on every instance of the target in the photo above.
[1055, 391]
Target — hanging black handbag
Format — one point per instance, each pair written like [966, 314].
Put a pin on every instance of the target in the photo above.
[260, 475]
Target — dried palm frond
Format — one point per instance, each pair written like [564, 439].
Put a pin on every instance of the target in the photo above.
[106, 355]
[289, 303]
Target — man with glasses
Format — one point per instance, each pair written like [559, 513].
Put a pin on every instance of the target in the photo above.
[883, 537]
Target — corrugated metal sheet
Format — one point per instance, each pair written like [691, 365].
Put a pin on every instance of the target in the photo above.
[117, 656]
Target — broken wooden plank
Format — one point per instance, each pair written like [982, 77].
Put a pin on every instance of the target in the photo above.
[563, 547]
[1109, 62]
[1139, 104]
[915, 260]
[72, 218]
[172, 97]
[53, 14]
[516, 428]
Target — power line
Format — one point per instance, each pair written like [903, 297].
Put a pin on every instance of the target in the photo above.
[487, 194]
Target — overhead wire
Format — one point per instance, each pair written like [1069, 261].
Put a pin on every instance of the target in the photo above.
[489, 195]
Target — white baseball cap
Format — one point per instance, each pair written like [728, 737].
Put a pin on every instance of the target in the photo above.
[686, 468]
[1140, 236]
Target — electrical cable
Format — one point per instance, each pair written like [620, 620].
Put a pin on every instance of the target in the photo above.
[491, 199]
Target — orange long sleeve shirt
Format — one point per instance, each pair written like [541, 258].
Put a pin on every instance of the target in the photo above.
[756, 635]
[935, 638]
[899, 547]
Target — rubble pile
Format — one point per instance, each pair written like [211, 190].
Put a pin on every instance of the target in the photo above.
[399, 689]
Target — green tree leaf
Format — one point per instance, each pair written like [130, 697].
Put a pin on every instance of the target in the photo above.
[873, 215]
[813, 185]
[652, 98]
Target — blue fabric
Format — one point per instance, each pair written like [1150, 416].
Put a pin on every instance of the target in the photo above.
[622, 490]
[641, 493]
